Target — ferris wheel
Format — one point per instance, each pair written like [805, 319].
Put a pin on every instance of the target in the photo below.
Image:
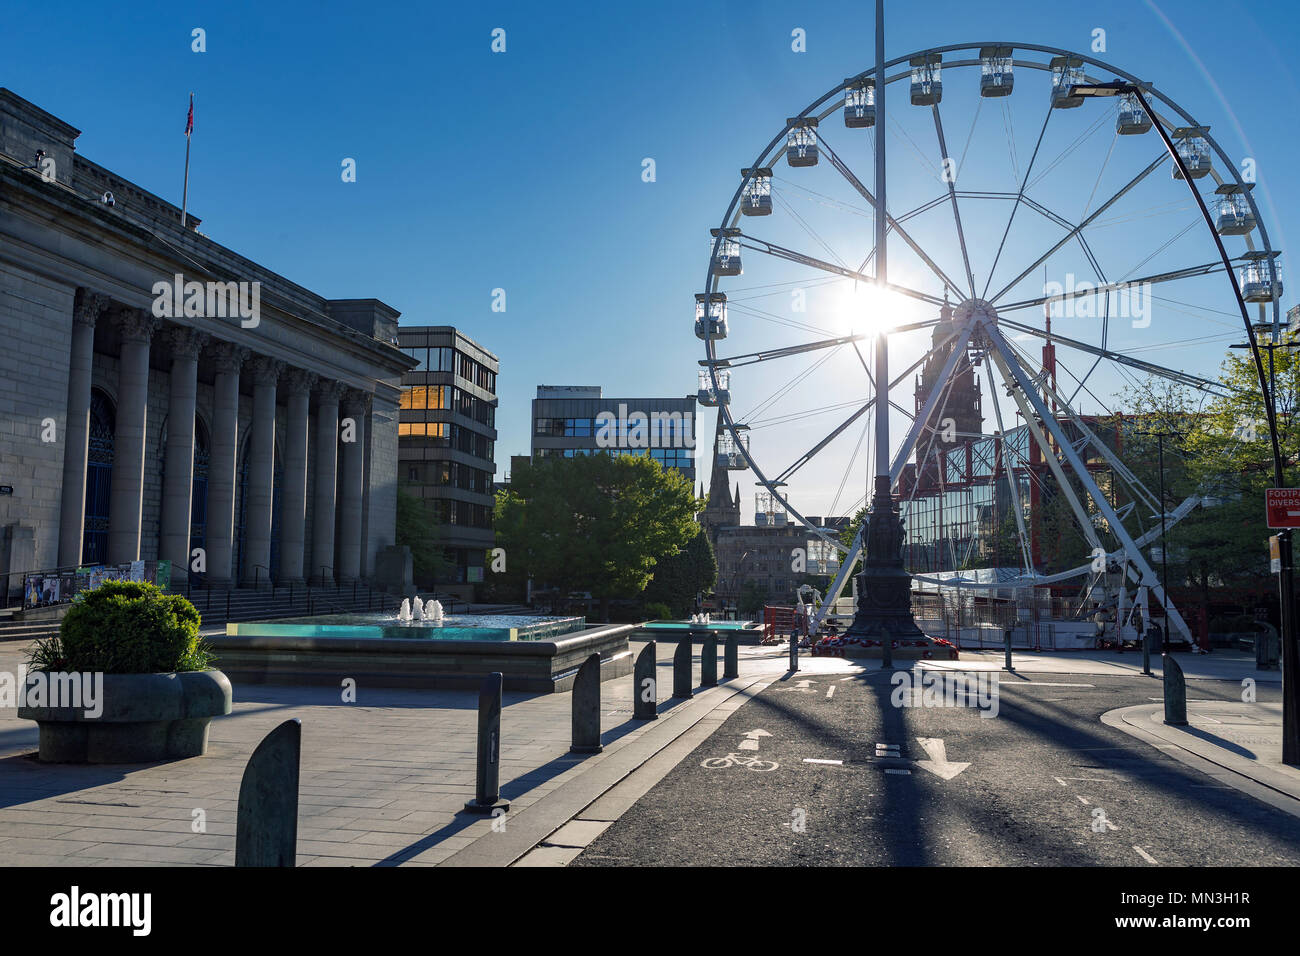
[1043, 253]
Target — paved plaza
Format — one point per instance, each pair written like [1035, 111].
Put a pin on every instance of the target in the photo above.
[383, 779]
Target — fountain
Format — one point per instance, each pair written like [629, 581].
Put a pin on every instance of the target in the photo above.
[421, 645]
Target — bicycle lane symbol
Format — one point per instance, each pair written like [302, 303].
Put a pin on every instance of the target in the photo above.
[738, 760]
[749, 760]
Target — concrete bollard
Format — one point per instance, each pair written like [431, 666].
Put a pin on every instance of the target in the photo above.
[266, 824]
[645, 686]
[586, 708]
[731, 660]
[1175, 692]
[487, 796]
[682, 668]
[709, 662]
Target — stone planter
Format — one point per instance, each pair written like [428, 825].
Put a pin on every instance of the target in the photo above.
[145, 718]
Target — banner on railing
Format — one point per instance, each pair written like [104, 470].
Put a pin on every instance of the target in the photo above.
[49, 588]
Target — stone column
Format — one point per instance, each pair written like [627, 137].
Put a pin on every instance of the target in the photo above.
[178, 469]
[352, 434]
[293, 501]
[227, 358]
[326, 471]
[76, 433]
[261, 473]
[137, 328]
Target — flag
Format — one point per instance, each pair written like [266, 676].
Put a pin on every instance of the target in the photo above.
[189, 120]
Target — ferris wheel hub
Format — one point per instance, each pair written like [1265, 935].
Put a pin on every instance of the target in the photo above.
[980, 308]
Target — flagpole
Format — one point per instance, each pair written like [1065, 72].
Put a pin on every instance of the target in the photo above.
[185, 192]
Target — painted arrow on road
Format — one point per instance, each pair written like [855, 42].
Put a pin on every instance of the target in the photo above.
[938, 763]
[751, 739]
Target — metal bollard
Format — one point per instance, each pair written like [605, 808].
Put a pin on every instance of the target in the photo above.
[794, 651]
[586, 708]
[682, 668]
[488, 784]
[731, 658]
[266, 823]
[1146, 653]
[709, 662]
[887, 651]
[1175, 692]
[1006, 641]
[645, 688]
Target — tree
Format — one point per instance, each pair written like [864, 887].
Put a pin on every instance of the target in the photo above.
[595, 522]
[1218, 448]
[679, 577]
[419, 527]
[752, 598]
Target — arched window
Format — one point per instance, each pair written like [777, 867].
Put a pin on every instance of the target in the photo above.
[99, 478]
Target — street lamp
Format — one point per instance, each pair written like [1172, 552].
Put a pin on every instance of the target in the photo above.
[1286, 583]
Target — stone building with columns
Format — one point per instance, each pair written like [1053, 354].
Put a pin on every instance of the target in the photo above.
[163, 397]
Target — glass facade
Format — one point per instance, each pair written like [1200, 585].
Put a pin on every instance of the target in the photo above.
[447, 439]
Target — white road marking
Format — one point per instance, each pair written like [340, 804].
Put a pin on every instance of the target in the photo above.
[1002, 685]
[837, 763]
[830, 693]
[850, 677]
[1084, 801]
[751, 739]
[938, 764]
[906, 773]
[1145, 855]
[1060, 781]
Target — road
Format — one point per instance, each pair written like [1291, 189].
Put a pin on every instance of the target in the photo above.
[1042, 783]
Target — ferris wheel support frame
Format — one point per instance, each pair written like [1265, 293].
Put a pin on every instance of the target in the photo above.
[1009, 364]
[1037, 418]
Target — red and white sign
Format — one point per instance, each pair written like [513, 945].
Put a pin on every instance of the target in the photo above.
[1283, 506]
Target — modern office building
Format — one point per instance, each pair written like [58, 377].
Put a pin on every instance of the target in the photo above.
[447, 439]
[573, 420]
[164, 398]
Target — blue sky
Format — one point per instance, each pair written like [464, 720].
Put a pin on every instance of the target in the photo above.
[523, 170]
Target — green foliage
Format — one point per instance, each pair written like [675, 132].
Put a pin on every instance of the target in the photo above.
[655, 611]
[850, 532]
[594, 523]
[679, 577]
[1220, 449]
[752, 598]
[419, 527]
[126, 627]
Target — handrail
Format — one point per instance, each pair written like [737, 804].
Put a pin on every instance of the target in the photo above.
[257, 577]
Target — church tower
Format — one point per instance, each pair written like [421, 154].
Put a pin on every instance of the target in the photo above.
[958, 416]
[721, 510]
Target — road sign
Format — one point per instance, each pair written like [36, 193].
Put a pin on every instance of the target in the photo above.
[1283, 507]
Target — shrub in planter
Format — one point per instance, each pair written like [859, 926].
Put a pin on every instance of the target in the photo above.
[155, 696]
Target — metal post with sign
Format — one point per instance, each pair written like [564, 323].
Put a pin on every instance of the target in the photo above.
[1282, 506]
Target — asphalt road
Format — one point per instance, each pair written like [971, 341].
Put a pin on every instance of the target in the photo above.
[1047, 784]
